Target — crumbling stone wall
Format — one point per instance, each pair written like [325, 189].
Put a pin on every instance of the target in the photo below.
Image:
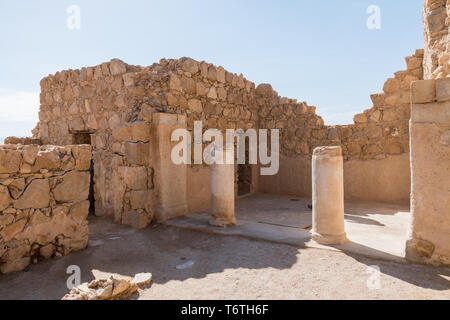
[43, 203]
[110, 103]
[115, 102]
[375, 147]
[436, 19]
[376, 133]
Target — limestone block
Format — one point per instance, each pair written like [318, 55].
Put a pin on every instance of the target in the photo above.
[431, 112]
[47, 251]
[190, 65]
[36, 195]
[83, 157]
[137, 153]
[265, 90]
[5, 199]
[443, 89]
[138, 220]
[117, 67]
[174, 83]
[140, 131]
[360, 118]
[423, 91]
[135, 177]
[9, 232]
[29, 154]
[195, 105]
[128, 79]
[16, 187]
[73, 187]
[139, 199]
[6, 219]
[16, 265]
[10, 161]
[15, 250]
[122, 133]
[80, 211]
[47, 159]
[212, 93]
[391, 85]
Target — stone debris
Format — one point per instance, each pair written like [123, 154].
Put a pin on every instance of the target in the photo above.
[109, 289]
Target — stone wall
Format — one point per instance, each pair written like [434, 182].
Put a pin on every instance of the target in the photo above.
[114, 103]
[436, 19]
[43, 203]
[375, 147]
[429, 239]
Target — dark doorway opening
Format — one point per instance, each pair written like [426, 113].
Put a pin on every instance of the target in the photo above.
[244, 173]
[85, 138]
[244, 179]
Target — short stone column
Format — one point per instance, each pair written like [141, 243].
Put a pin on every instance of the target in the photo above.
[328, 196]
[222, 189]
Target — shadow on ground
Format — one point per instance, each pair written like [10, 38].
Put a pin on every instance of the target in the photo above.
[157, 249]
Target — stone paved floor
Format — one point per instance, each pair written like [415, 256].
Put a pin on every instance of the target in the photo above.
[376, 230]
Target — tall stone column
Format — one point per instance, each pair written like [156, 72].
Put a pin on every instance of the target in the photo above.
[170, 179]
[429, 234]
[223, 189]
[328, 196]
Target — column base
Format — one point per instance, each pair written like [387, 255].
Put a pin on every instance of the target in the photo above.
[330, 238]
[217, 222]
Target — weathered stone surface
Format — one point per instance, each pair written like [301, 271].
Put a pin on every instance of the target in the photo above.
[10, 231]
[47, 251]
[83, 156]
[117, 67]
[109, 289]
[137, 153]
[195, 105]
[16, 265]
[5, 198]
[135, 177]
[47, 159]
[73, 187]
[140, 131]
[29, 154]
[10, 161]
[36, 195]
[139, 199]
[80, 211]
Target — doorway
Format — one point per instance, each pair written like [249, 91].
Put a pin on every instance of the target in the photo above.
[85, 138]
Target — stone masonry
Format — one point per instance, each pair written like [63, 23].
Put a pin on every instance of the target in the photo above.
[43, 203]
[436, 20]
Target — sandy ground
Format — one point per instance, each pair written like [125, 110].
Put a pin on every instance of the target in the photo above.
[225, 267]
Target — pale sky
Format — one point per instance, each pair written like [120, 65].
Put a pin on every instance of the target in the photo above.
[316, 51]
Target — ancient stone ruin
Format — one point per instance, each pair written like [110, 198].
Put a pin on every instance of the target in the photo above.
[103, 144]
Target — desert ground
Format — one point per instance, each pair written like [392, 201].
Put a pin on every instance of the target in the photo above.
[224, 267]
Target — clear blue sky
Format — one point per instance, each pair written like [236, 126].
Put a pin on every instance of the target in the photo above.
[316, 51]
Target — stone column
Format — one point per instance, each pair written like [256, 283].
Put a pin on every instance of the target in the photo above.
[170, 180]
[328, 196]
[429, 234]
[223, 189]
